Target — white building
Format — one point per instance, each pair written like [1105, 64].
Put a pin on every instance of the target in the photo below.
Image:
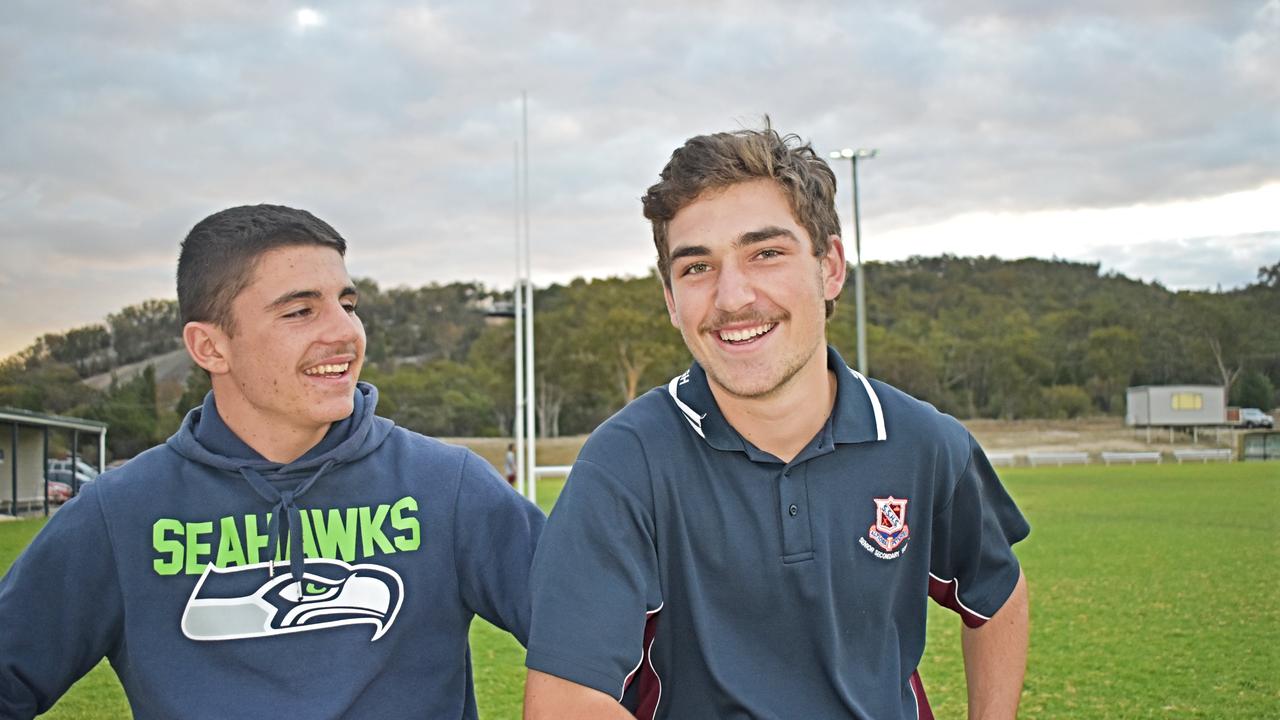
[1175, 406]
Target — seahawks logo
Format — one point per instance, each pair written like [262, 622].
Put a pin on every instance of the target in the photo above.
[247, 601]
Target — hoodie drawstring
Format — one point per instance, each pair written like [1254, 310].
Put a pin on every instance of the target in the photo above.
[286, 514]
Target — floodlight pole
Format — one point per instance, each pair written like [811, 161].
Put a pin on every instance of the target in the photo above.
[859, 286]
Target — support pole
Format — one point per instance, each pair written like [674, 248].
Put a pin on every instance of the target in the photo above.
[44, 464]
[530, 364]
[517, 297]
[13, 467]
[75, 456]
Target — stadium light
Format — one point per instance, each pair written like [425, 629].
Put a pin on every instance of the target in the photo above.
[859, 287]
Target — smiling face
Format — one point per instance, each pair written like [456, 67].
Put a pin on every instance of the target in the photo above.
[747, 292]
[289, 369]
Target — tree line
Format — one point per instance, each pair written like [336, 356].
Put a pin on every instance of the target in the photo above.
[977, 337]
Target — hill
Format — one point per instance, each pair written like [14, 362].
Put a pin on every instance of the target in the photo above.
[977, 337]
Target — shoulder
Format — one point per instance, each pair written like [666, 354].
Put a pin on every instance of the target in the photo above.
[423, 447]
[650, 417]
[913, 421]
[634, 451]
[155, 465]
[431, 456]
[648, 424]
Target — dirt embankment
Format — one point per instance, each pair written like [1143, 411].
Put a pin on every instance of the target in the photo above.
[1091, 435]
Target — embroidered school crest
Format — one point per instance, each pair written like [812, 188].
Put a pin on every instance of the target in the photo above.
[890, 529]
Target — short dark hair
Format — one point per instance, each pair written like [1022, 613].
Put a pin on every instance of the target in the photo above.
[714, 162]
[219, 255]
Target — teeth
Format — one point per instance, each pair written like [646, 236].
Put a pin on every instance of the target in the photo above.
[327, 369]
[745, 333]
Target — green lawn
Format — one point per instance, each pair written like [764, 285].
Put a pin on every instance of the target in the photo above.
[1154, 594]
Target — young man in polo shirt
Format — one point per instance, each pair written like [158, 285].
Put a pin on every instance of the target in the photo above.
[757, 538]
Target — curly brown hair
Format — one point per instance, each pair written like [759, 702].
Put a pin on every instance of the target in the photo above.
[713, 162]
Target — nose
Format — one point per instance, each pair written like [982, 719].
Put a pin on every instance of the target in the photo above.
[734, 290]
[341, 327]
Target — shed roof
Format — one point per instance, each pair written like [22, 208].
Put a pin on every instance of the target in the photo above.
[26, 417]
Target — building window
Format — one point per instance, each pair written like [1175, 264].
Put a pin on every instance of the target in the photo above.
[1187, 401]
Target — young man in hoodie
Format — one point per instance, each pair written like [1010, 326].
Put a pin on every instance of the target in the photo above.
[758, 538]
[287, 552]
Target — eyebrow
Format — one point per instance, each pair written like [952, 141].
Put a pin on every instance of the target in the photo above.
[746, 239]
[348, 291]
[763, 234]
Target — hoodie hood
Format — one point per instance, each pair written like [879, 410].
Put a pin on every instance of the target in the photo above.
[204, 438]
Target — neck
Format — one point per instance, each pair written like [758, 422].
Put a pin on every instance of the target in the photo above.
[275, 439]
[784, 421]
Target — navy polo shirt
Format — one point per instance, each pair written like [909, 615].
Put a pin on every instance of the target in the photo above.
[692, 575]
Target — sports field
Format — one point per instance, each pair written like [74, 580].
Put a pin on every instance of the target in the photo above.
[1153, 595]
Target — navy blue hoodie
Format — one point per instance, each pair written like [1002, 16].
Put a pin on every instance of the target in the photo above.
[178, 568]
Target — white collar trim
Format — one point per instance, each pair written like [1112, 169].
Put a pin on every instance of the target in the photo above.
[695, 420]
[875, 405]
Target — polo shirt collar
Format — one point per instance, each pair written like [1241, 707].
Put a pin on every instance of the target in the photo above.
[856, 417]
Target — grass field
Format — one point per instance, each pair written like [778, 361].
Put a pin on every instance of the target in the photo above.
[1153, 595]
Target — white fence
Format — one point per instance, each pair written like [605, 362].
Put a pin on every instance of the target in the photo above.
[1133, 458]
[1002, 459]
[1202, 455]
[1058, 458]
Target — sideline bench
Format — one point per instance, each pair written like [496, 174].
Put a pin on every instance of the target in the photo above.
[1002, 459]
[1133, 458]
[1058, 458]
[1203, 456]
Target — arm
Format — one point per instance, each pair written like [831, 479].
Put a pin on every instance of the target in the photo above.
[547, 697]
[595, 592]
[60, 609]
[995, 658]
[496, 531]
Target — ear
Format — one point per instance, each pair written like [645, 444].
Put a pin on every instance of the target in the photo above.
[208, 347]
[671, 305]
[833, 268]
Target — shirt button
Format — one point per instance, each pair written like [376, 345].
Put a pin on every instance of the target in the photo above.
[793, 510]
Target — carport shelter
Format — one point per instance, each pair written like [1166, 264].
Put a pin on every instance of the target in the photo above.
[24, 455]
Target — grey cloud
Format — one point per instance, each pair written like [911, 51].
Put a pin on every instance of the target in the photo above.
[126, 123]
[1197, 263]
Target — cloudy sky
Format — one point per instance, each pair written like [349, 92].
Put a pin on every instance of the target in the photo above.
[1144, 135]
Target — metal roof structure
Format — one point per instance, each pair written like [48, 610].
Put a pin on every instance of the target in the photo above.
[26, 417]
[28, 460]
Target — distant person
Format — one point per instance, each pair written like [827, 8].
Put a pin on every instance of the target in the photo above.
[509, 466]
[287, 553]
[757, 538]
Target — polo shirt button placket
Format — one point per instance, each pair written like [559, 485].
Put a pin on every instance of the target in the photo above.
[797, 541]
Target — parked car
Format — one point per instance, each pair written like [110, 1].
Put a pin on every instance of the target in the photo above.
[1253, 417]
[64, 476]
[82, 467]
[58, 492]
